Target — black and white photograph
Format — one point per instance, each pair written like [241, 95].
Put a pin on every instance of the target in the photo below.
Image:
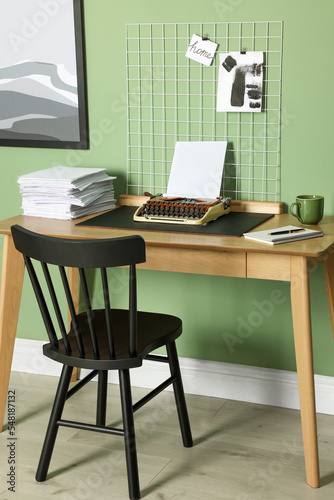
[240, 81]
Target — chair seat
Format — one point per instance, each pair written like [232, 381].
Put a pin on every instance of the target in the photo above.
[154, 330]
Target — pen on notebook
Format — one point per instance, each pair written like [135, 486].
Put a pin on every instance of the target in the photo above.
[286, 232]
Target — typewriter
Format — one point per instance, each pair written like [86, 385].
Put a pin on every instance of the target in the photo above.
[181, 210]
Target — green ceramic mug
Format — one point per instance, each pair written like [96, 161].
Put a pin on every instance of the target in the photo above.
[309, 208]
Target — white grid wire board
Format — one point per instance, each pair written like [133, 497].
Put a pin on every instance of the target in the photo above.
[172, 98]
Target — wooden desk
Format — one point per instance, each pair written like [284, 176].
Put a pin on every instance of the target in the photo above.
[199, 254]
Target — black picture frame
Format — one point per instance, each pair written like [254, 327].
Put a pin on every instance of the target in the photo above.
[69, 128]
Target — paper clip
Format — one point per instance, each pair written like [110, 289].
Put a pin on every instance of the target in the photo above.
[205, 36]
[243, 51]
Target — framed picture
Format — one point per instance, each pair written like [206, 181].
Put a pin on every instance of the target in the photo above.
[42, 74]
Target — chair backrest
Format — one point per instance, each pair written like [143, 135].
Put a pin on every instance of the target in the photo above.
[82, 254]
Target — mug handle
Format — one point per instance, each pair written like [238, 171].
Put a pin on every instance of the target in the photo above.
[292, 213]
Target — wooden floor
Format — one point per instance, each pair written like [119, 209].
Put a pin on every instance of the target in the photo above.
[242, 451]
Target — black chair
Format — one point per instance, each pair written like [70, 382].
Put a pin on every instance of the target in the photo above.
[99, 339]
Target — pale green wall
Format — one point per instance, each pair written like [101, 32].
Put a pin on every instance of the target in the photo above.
[213, 308]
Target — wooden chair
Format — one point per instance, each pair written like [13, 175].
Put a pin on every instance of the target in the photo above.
[99, 339]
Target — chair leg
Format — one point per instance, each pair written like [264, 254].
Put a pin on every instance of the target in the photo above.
[52, 429]
[101, 409]
[179, 395]
[129, 435]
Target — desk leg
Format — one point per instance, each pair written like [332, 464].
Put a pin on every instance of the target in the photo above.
[10, 297]
[301, 315]
[328, 266]
[73, 281]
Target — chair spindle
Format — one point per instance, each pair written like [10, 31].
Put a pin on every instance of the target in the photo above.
[132, 311]
[41, 302]
[56, 307]
[89, 312]
[107, 307]
[72, 311]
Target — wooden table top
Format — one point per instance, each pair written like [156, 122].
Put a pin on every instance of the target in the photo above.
[315, 247]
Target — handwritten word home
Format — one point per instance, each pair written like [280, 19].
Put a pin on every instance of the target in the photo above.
[202, 51]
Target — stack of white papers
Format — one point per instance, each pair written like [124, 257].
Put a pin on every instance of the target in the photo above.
[66, 192]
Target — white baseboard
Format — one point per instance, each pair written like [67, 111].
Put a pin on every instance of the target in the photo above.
[205, 378]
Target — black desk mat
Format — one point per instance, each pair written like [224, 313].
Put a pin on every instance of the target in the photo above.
[232, 224]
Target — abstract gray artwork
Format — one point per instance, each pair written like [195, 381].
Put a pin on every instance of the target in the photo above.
[41, 74]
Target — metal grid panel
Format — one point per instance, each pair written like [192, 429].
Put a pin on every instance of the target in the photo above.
[172, 98]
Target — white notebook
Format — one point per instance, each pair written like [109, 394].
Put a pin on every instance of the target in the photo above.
[283, 235]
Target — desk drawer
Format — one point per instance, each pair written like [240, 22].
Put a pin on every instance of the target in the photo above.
[182, 260]
[268, 267]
